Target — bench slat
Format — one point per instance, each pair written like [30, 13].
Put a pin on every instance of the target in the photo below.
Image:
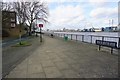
[106, 43]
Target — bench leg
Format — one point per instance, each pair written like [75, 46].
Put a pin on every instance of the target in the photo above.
[111, 51]
[99, 48]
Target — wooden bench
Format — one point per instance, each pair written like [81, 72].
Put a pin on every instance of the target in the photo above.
[112, 45]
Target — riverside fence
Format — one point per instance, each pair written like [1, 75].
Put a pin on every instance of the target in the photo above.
[88, 38]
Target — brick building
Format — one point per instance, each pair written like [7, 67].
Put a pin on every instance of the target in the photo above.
[8, 19]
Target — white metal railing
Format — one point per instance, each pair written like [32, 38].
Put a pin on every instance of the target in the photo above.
[88, 38]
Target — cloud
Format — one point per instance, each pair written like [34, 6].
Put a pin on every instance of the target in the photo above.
[102, 3]
[66, 15]
[104, 12]
[77, 16]
[65, 1]
[99, 1]
[48, 1]
[103, 22]
[101, 16]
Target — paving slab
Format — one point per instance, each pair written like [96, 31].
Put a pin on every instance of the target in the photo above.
[62, 65]
[57, 58]
[47, 63]
[69, 73]
[52, 72]
[36, 75]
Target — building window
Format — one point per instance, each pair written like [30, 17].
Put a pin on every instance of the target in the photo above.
[12, 20]
[12, 14]
[12, 25]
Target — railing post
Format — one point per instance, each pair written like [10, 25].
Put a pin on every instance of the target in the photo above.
[71, 36]
[82, 38]
[102, 38]
[64, 35]
[119, 43]
[67, 35]
[76, 37]
[91, 39]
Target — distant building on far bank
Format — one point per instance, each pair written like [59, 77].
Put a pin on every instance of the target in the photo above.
[8, 19]
[111, 29]
[92, 30]
[97, 30]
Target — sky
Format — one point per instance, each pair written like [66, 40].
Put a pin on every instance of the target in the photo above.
[80, 14]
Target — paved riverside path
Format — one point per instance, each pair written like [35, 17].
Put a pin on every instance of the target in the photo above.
[57, 58]
[12, 56]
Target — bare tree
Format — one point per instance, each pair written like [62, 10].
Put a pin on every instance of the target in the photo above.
[6, 6]
[27, 12]
[34, 10]
[20, 9]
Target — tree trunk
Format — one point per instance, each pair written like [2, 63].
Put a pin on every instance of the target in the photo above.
[30, 30]
[20, 35]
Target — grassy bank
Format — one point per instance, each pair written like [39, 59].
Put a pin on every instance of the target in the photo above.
[22, 44]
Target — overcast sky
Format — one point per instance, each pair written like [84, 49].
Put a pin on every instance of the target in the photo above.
[80, 14]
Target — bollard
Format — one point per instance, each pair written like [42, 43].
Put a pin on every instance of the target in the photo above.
[65, 38]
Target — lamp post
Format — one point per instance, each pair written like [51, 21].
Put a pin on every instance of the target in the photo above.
[36, 26]
[40, 34]
[40, 26]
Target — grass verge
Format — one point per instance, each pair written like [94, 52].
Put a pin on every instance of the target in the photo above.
[22, 44]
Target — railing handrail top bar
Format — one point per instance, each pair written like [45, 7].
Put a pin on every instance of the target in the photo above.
[89, 35]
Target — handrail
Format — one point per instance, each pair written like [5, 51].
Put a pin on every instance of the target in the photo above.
[89, 35]
[91, 40]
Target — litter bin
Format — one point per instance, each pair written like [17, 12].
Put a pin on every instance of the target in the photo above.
[66, 38]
